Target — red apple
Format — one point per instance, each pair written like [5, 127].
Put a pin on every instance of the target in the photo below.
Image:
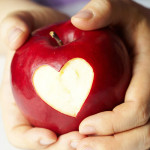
[58, 84]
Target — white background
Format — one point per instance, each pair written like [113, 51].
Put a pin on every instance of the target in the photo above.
[4, 145]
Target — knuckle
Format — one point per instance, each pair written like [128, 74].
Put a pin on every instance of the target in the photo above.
[19, 14]
[108, 143]
[18, 17]
[105, 5]
[108, 5]
[143, 115]
[12, 140]
[147, 138]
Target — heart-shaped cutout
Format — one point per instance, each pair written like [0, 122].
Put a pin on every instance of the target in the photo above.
[67, 90]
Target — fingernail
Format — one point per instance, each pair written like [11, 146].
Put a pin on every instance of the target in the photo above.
[84, 14]
[74, 144]
[13, 36]
[46, 142]
[87, 130]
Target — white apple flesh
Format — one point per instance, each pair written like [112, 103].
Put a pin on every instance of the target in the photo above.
[67, 90]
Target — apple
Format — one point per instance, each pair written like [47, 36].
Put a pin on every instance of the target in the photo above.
[61, 75]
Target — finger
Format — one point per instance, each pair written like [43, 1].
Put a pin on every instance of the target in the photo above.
[17, 26]
[136, 139]
[15, 29]
[100, 13]
[135, 111]
[67, 141]
[27, 137]
[132, 113]
[19, 131]
[21, 134]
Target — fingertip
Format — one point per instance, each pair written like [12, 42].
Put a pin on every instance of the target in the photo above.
[96, 14]
[15, 29]
[87, 130]
[85, 127]
[41, 136]
[28, 137]
[89, 20]
[83, 19]
[16, 37]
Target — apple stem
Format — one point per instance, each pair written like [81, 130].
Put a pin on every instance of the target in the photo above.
[55, 36]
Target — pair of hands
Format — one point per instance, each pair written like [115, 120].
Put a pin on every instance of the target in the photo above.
[127, 126]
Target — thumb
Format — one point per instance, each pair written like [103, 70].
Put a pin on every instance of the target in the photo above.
[16, 27]
[100, 13]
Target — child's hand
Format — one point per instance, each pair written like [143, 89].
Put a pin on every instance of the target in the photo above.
[14, 30]
[20, 132]
[16, 24]
[129, 122]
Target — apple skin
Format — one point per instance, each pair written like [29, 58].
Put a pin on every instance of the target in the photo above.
[102, 49]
